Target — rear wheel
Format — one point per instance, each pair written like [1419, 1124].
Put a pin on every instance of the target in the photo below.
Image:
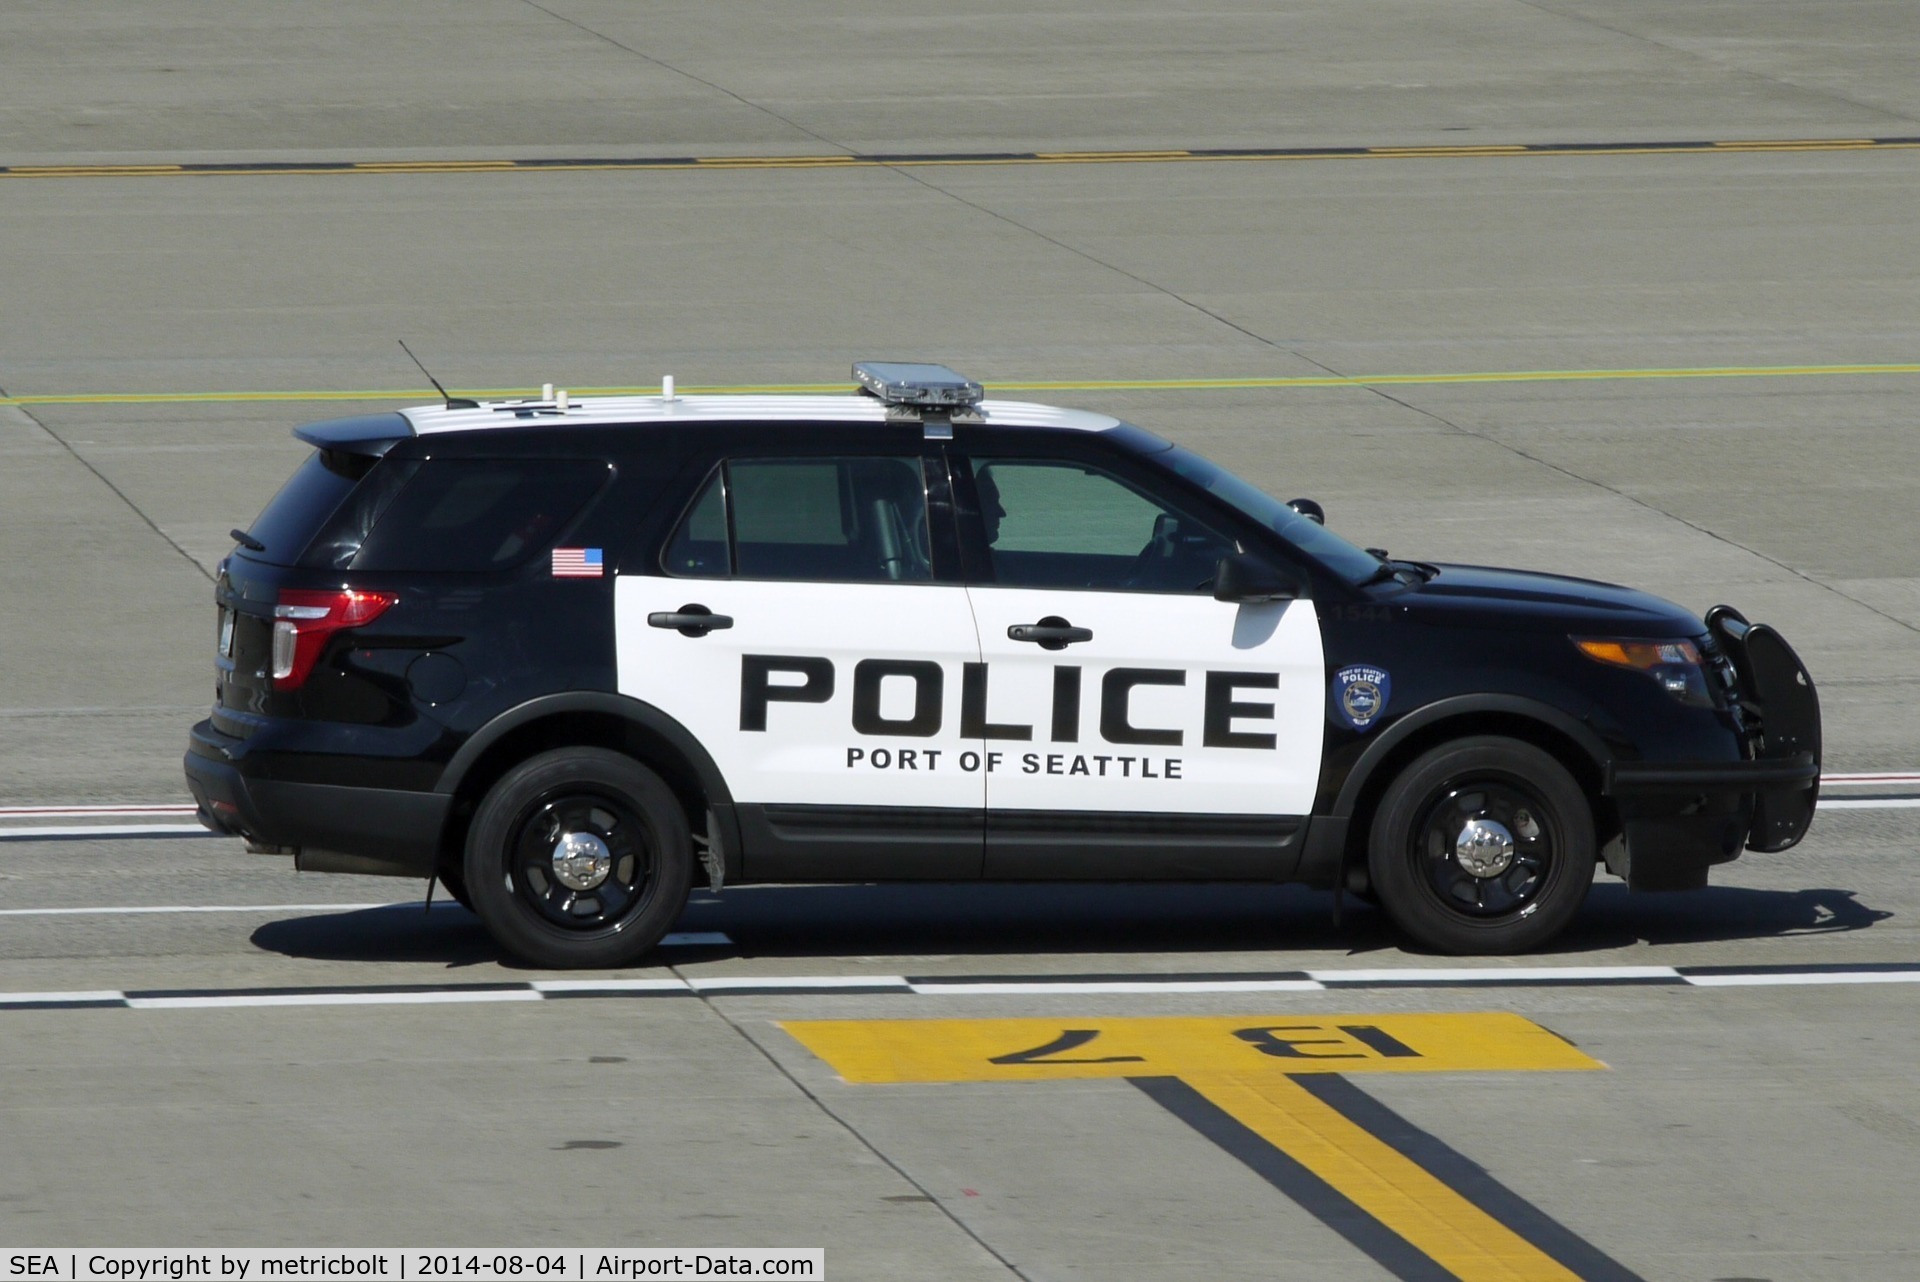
[454, 882]
[579, 857]
[1483, 845]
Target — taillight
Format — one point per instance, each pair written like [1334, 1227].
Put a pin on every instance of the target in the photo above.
[303, 620]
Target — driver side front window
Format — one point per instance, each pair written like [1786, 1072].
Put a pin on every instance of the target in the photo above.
[1055, 524]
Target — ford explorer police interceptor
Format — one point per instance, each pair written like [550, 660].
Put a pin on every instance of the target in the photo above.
[563, 654]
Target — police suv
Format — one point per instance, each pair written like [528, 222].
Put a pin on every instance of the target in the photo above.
[562, 654]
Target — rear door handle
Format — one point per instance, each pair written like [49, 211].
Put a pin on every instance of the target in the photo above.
[1051, 633]
[690, 620]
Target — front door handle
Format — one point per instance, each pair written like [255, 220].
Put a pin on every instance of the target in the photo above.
[690, 620]
[1051, 633]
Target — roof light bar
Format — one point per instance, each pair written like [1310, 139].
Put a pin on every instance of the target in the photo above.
[918, 384]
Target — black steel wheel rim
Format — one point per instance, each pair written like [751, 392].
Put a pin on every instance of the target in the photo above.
[610, 903]
[1526, 818]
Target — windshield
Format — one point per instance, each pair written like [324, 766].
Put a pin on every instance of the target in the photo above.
[1312, 538]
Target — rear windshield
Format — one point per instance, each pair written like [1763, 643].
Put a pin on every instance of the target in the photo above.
[457, 514]
[286, 525]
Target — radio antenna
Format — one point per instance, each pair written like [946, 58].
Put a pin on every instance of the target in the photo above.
[453, 402]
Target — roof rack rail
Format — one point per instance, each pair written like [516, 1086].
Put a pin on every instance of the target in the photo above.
[548, 402]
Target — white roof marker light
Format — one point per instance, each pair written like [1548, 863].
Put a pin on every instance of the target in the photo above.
[918, 392]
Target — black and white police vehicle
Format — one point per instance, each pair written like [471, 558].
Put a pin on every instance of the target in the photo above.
[564, 655]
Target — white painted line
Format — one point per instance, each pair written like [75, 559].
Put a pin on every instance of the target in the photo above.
[1806, 977]
[683, 939]
[197, 908]
[334, 999]
[611, 986]
[559, 988]
[83, 812]
[105, 830]
[1887, 803]
[1494, 974]
[1897, 776]
[1097, 987]
[79, 810]
[796, 981]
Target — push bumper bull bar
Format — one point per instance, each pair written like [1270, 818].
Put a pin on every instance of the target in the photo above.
[1678, 818]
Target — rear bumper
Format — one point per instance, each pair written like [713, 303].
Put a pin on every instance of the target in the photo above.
[378, 830]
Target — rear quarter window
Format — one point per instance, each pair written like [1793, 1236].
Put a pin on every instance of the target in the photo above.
[470, 514]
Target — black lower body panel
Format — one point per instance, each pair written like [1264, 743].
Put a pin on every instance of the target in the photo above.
[859, 843]
[383, 831]
[900, 843]
[1070, 845]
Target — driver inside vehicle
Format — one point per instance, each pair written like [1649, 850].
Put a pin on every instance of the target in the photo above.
[992, 511]
[1051, 523]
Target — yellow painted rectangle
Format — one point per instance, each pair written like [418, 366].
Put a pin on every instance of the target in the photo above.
[996, 1050]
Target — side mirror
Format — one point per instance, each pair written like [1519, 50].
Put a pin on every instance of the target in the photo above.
[1309, 509]
[1248, 580]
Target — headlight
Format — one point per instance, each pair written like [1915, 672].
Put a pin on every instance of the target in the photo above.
[1674, 664]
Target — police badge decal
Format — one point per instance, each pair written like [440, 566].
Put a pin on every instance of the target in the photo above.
[1359, 695]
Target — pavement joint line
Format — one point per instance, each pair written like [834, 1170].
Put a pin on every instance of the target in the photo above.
[1232, 383]
[1709, 977]
[918, 160]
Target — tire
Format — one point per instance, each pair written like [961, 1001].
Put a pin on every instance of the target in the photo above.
[454, 882]
[1519, 883]
[628, 875]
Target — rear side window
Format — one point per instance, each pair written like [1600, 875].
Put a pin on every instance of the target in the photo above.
[459, 514]
[829, 520]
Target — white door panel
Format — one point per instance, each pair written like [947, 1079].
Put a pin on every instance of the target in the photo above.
[1179, 704]
[819, 694]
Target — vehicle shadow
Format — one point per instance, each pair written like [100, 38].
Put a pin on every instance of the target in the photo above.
[981, 920]
[449, 935]
[1614, 916]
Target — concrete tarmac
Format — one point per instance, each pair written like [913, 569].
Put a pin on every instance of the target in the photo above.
[160, 335]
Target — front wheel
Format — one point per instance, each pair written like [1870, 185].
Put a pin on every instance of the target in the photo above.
[579, 857]
[1482, 845]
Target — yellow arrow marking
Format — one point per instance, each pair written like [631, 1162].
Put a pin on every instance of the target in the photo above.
[1246, 1066]
[1430, 1215]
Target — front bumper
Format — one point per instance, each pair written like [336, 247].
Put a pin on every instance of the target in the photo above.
[1680, 818]
[326, 827]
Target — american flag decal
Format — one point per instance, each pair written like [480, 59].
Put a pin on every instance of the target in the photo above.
[576, 563]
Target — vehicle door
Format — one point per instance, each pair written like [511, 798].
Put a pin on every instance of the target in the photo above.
[806, 623]
[1134, 725]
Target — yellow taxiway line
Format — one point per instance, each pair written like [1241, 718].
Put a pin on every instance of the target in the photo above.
[997, 387]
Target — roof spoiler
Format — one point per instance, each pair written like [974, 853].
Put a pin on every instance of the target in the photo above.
[371, 435]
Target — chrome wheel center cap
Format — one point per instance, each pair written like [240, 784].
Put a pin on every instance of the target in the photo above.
[1484, 848]
[581, 861]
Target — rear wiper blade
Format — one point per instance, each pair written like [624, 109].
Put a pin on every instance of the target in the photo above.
[247, 541]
